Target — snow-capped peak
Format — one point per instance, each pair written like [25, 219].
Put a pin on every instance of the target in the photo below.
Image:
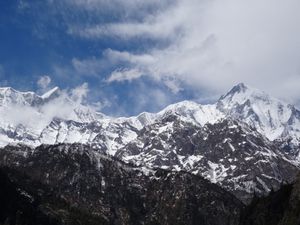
[239, 88]
[241, 93]
[193, 112]
[268, 115]
[10, 96]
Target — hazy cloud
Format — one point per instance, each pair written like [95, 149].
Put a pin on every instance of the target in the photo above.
[44, 82]
[37, 118]
[125, 74]
[23, 5]
[78, 94]
[100, 105]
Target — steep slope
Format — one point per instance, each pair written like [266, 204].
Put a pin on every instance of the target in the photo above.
[24, 201]
[279, 208]
[62, 191]
[118, 193]
[228, 153]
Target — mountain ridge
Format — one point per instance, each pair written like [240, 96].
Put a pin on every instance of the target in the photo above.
[241, 102]
[246, 142]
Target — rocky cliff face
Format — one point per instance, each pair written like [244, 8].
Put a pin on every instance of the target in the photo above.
[76, 178]
[228, 153]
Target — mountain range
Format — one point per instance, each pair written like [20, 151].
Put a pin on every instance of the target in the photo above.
[271, 117]
[246, 129]
[244, 145]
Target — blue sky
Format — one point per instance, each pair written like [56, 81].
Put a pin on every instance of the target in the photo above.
[139, 55]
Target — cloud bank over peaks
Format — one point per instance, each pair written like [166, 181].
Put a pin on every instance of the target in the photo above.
[182, 46]
[209, 45]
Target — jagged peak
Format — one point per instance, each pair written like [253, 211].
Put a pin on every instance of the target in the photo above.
[2, 89]
[241, 87]
[241, 93]
[7, 90]
[9, 95]
[237, 89]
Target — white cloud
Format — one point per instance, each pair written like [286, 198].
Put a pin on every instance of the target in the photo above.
[78, 94]
[38, 117]
[173, 85]
[125, 74]
[150, 98]
[98, 106]
[44, 82]
[204, 45]
[151, 29]
[124, 8]
[214, 45]
[115, 56]
[22, 5]
[88, 67]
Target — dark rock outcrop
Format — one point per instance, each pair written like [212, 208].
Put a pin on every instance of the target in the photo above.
[75, 182]
[279, 208]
